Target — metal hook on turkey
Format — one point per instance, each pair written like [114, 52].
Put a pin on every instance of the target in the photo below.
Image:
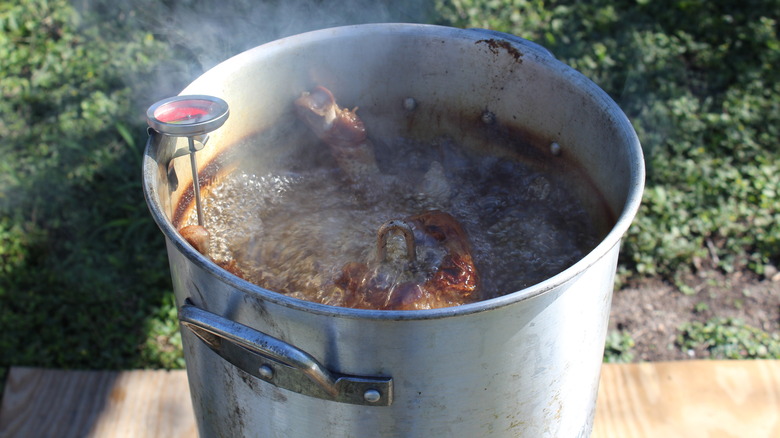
[399, 226]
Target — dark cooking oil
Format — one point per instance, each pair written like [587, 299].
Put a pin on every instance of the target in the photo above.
[292, 229]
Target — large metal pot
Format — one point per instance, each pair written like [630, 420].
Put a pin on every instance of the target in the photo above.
[524, 364]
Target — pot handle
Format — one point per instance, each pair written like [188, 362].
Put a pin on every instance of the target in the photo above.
[280, 363]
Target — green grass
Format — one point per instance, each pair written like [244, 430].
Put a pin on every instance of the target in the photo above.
[83, 263]
[728, 338]
[619, 347]
[698, 80]
[83, 273]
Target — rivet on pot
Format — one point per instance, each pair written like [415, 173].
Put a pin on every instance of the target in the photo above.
[266, 372]
[488, 118]
[410, 104]
[555, 148]
[372, 396]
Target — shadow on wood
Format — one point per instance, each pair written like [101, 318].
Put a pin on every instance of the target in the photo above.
[664, 399]
[63, 404]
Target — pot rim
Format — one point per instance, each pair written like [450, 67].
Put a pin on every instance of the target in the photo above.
[613, 238]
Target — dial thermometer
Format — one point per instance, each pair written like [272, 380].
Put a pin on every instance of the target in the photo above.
[189, 116]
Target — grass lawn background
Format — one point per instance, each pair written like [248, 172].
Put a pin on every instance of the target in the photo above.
[84, 280]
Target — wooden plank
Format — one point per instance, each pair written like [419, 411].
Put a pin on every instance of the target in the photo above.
[96, 404]
[689, 399]
[666, 399]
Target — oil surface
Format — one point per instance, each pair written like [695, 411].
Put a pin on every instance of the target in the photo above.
[293, 229]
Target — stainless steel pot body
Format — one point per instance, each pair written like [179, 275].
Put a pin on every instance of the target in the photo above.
[525, 364]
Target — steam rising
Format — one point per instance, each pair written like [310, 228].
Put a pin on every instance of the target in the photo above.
[309, 229]
[204, 33]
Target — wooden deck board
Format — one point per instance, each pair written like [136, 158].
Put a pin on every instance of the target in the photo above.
[665, 399]
[55, 403]
[689, 399]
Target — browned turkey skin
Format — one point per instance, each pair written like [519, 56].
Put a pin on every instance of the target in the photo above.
[447, 279]
[452, 282]
[341, 129]
[200, 239]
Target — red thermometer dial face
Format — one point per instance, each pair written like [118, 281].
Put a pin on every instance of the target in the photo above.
[185, 116]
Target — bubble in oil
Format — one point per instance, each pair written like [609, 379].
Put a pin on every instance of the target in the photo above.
[294, 232]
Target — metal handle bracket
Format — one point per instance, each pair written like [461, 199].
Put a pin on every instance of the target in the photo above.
[280, 363]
